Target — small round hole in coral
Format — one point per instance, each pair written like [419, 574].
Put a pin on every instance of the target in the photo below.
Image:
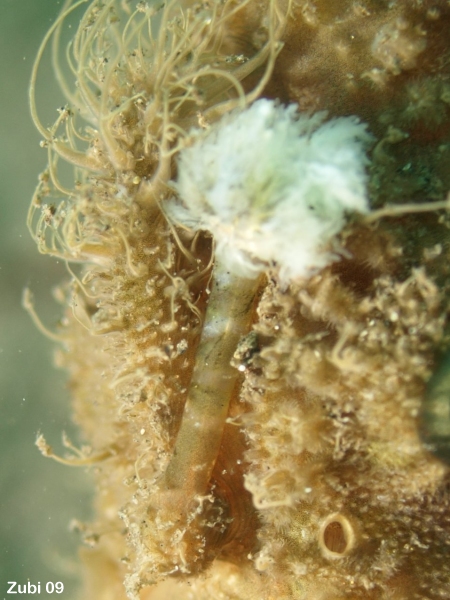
[337, 536]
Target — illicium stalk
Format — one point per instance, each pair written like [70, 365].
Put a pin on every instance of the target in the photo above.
[199, 438]
[272, 197]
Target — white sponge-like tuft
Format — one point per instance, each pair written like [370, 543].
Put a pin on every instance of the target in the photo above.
[273, 187]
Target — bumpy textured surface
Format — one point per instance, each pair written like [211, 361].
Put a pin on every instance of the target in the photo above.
[323, 488]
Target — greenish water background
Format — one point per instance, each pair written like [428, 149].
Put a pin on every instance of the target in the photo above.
[38, 497]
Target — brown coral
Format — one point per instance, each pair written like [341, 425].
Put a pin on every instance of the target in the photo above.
[323, 487]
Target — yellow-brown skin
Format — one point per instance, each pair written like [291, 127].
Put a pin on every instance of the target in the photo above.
[323, 488]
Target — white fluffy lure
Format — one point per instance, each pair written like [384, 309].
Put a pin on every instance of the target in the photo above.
[273, 187]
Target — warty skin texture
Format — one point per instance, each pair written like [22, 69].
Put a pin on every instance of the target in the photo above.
[323, 487]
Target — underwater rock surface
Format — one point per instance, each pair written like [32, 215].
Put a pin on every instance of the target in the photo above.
[324, 485]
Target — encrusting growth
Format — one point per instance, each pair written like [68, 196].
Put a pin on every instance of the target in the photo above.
[436, 412]
[257, 296]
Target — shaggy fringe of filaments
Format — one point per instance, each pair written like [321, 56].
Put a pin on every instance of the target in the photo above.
[144, 77]
[145, 74]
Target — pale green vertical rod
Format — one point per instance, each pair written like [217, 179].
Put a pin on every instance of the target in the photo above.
[199, 438]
